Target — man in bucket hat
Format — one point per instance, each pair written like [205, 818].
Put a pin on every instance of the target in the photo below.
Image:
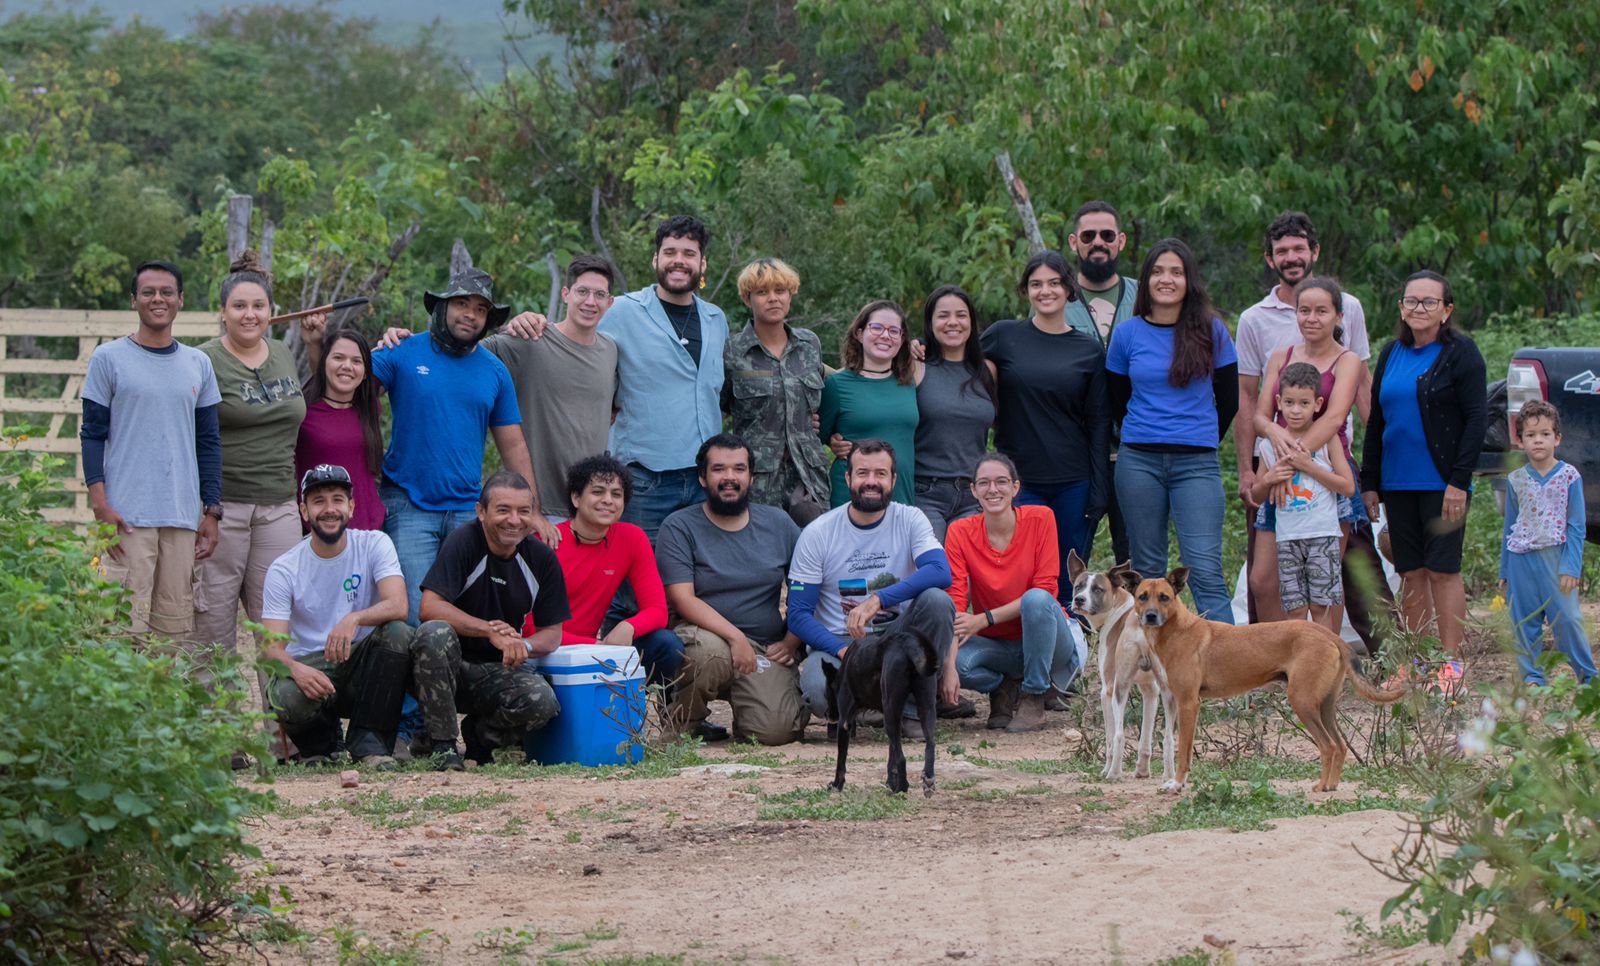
[445, 394]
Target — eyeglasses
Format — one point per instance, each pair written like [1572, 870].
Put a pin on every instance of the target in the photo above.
[998, 483]
[151, 293]
[878, 328]
[1411, 303]
[1107, 235]
[585, 294]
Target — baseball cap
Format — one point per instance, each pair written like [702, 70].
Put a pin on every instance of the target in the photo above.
[325, 474]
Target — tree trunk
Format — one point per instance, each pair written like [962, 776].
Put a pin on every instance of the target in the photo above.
[1019, 197]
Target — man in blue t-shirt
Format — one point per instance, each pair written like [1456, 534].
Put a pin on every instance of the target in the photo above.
[445, 395]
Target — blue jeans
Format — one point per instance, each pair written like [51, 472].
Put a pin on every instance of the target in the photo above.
[1073, 532]
[930, 613]
[1185, 489]
[1049, 653]
[661, 652]
[659, 494]
[417, 534]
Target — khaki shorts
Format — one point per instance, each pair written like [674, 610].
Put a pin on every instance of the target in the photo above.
[157, 567]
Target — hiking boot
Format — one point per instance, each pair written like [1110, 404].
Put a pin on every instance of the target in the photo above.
[402, 748]
[446, 757]
[911, 730]
[316, 761]
[1055, 700]
[870, 718]
[963, 708]
[708, 732]
[1030, 714]
[478, 750]
[1003, 703]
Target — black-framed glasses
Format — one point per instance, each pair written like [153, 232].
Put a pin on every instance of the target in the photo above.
[1107, 235]
[1411, 303]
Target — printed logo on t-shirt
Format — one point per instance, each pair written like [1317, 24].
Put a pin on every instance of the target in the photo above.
[422, 370]
[352, 584]
[871, 565]
[271, 391]
[497, 580]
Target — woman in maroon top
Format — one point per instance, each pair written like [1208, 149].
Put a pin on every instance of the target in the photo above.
[341, 425]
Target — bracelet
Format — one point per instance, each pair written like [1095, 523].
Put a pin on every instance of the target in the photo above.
[990, 615]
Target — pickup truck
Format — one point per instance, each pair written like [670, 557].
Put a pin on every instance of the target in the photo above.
[1569, 379]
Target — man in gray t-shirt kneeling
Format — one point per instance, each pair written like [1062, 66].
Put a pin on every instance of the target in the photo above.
[723, 563]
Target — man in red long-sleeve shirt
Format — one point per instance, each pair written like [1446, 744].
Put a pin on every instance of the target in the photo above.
[597, 553]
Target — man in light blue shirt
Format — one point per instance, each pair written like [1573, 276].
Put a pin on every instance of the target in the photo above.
[669, 376]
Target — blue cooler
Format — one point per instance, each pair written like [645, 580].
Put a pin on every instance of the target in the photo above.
[601, 690]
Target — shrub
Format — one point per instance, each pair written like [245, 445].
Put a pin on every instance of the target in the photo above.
[1508, 843]
[119, 816]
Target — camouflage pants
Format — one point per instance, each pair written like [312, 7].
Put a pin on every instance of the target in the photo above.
[369, 686]
[506, 701]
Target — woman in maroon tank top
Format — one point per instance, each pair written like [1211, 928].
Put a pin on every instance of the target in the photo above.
[342, 423]
[1319, 309]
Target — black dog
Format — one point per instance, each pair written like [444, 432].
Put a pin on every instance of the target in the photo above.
[880, 673]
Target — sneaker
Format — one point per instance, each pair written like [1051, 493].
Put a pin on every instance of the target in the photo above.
[240, 761]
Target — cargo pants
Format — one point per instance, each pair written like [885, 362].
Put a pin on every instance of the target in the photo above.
[767, 705]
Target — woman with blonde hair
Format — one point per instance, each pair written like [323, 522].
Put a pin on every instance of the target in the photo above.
[772, 390]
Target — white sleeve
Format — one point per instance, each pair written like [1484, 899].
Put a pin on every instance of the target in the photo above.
[277, 594]
[383, 559]
[100, 384]
[1247, 346]
[1355, 328]
[807, 566]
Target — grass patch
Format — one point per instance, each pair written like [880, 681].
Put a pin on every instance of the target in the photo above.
[662, 762]
[1252, 806]
[854, 804]
[1393, 934]
[1194, 957]
[1038, 788]
[383, 810]
[589, 813]
[515, 825]
[958, 784]
[1040, 766]
[987, 795]
[750, 753]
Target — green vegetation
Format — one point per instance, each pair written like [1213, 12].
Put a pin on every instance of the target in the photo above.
[119, 816]
[1252, 806]
[854, 804]
[383, 810]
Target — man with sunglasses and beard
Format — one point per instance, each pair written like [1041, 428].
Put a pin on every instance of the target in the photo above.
[870, 566]
[1097, 240]
[723, 563]
[1107, 300]
[335, 609]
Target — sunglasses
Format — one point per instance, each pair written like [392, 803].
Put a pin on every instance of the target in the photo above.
[1107, 235]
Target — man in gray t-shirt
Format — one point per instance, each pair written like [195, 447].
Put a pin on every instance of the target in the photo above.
[152, 455]
[724, 562]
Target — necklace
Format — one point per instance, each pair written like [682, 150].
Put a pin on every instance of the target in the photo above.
[338, 403]
[878, 372]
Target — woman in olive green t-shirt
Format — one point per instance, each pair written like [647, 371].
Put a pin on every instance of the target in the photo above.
[260, 417]
[873, 396]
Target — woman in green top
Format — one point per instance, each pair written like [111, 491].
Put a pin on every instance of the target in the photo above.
[874, 396]
[260, 417]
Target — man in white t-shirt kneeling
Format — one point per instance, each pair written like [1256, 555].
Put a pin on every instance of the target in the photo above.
[339, 597]
[867, 567]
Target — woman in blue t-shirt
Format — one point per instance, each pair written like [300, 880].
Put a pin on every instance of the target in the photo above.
[1173, 380]
[1429, 409]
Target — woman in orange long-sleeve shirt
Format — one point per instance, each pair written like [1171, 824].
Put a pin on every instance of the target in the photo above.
[1016, 636]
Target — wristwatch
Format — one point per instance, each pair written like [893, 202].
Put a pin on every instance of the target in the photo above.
[213, 510]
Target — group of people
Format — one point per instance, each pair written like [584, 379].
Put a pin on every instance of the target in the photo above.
[739, 512]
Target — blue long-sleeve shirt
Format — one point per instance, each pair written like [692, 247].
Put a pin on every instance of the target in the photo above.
[933, 571]
[1542, 511]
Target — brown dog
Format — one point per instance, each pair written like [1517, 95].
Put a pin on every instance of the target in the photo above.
[1205, 659]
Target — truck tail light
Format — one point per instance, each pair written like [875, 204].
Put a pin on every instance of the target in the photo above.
[1525, 382]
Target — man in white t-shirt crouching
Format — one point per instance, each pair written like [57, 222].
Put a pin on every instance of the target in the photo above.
[339, 597]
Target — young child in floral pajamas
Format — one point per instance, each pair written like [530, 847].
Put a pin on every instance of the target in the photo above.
[1542, 556]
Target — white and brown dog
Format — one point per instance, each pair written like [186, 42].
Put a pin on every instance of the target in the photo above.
[1106, 601]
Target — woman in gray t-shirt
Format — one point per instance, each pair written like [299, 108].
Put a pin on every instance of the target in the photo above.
[955, 404]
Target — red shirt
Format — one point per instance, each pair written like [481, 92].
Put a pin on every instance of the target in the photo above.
[594, 571]
[990, 578]
[330, 435]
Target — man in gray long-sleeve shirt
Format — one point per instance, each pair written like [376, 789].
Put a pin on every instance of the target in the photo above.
[152, 455]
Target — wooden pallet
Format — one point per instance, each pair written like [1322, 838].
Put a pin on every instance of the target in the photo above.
[90, 328]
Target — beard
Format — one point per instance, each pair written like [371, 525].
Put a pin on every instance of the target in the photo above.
[693, 284]
[329, 537]
[869, 499]
[724, 507]
[1098, 272]
[1301, 272]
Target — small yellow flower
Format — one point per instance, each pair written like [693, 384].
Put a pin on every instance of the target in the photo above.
[1499, 602]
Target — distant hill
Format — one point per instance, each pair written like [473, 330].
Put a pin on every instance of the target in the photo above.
[471, 29]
